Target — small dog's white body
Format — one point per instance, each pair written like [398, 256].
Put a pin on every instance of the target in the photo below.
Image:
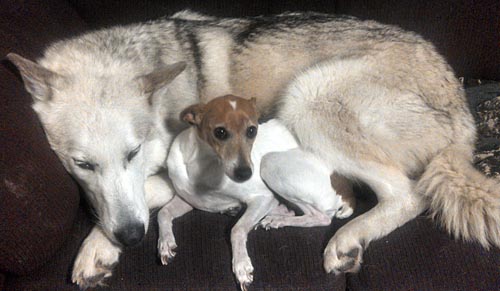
[199, 177]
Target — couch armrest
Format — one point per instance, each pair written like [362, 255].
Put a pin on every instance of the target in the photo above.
[38, 199]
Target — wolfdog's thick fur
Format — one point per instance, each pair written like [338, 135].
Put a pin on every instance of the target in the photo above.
[379, 104]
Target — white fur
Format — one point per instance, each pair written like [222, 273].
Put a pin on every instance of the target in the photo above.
[369, 130]
[233, 104]
[369, 101]
[95, 260]
[217, 47]
[213, 191]
[97, 111]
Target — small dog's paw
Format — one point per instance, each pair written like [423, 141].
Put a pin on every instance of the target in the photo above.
[342, 256]
[273, 221]
[166, 250]
[93, 265]
[344, 211]
[277, 217]
[243, 270]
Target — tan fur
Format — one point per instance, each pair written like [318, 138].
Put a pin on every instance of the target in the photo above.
[371, 124]
[372, 101]
[462, 199]
[236, 150]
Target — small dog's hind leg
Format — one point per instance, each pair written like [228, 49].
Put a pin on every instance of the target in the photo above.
[95, 260]
[166, 241]
[282, 210]
[344, 188]
[304, 180]
[311, 217]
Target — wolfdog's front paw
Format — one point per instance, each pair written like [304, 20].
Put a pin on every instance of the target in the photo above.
[93, 264]
[166, 249]
[342, 256]
[243, 270]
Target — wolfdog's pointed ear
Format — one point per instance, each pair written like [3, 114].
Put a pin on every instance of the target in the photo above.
[161, 77]
[193, 114]
[36, 78]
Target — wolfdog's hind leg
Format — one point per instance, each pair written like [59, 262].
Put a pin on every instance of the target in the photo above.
[166, 241]
[95, 260]
[397, 205]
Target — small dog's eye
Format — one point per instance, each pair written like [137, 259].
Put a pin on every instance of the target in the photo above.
[84, 165]
[251, 132]
[221, 133]
[133, 153]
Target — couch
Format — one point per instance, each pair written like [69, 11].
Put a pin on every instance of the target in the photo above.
[44, 217]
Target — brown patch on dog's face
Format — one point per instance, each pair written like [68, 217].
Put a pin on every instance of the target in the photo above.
[229, 125]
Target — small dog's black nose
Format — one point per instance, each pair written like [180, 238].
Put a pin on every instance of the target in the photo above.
[242, 174]
[130, 234]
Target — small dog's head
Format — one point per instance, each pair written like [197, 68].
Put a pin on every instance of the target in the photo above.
[228, 125]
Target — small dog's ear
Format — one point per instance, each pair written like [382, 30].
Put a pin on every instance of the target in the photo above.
[37, 79]
[192, 114]
[159, 78]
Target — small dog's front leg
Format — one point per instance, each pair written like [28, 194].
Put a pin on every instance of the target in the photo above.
[95, 260]
[256, 210]
[166, 241]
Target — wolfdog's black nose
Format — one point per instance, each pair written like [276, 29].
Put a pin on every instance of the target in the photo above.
[130, 234]
[242, 174]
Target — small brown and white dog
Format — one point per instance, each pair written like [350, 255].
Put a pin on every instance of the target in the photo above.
[215, 166]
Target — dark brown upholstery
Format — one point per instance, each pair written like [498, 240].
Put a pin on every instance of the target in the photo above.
[284, 260]
[39, 201]
[418, 256]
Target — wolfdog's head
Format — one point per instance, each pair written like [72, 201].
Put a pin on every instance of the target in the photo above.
[99, 117]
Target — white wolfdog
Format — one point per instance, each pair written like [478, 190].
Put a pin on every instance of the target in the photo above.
[374, 102]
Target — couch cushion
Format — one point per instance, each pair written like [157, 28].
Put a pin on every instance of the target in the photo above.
[38, 200]
[418, 256]
[284, 260]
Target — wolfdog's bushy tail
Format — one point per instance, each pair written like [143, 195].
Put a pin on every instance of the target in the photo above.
[462, 199]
